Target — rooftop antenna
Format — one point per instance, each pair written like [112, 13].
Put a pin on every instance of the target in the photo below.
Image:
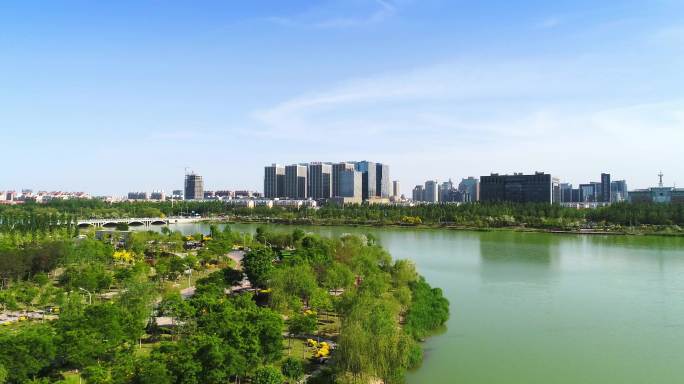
[660, 176]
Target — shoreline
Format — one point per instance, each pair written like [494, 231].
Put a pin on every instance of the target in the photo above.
[593, 232]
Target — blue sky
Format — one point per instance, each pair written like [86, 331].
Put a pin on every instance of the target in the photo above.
[114, 96]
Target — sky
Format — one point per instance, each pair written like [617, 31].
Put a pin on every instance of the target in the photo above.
[110, 97]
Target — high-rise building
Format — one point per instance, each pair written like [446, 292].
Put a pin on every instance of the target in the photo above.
[274, 181]
[396, 188]
[194, 187]
[382, 180]
[337, 169]
[587, 193]
[445, 190]
[296, 181]
[418, 193]
[320, 181]
[618, 190]
[470, 188]
[606, 193]
[350, 185]
[537, 188]
[566, 193]
[576, 195]
[431, 192]
[368, 171]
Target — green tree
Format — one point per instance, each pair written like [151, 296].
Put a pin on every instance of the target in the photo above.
[292, 369]
[151, 371]
[258, 264]
[28, 352]
[267, 375]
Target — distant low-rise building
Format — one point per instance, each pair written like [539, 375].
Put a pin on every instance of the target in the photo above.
[158, 195]
[137, 196]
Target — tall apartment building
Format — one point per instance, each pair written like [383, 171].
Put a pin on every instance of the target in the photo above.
[194, 187]
[445, 190]
[537, 188]
[274, 181]
[382, 180]
[319, 181]
[588, 193]
[566, 193]
[337, 169]
[369, 180]
[606, 193]
[417, 194]
[618, 190]
[350, 185]
[396, 189]
[296, 181]
[431, 191]
[470, 188]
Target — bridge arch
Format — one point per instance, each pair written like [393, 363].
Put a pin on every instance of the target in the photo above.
[136, 223]
[158, 222]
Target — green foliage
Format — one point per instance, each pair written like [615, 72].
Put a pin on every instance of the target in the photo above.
[151, 371]
[292, 369]
[429, 309]
[258, 264]
[26, 353]
[93, 277]
[293, 286]
[302, 324]
[268, 375]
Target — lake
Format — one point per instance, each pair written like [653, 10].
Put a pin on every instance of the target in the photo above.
[544, 308]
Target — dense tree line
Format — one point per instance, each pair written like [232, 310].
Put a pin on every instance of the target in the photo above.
[44, 218]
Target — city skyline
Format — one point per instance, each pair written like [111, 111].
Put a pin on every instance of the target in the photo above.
[262, 190]
[110, 98]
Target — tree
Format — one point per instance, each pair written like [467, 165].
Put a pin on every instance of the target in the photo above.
[258, 264]
[151, 371]
[292, 369]
[267, 375]
[26, 353]
[97, 374]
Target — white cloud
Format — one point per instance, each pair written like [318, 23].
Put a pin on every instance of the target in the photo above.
[518, 115]
[548, 23]
[371, 12]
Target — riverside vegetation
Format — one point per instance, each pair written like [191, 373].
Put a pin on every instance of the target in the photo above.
[618, 218]
[75, 308]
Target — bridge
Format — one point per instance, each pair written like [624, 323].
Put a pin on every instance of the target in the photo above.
[132, 221]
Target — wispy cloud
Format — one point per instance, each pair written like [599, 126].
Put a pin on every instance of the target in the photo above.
[497, 110]
[374, 12]
[548, 23]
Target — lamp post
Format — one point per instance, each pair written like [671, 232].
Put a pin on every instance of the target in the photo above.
[90, 296]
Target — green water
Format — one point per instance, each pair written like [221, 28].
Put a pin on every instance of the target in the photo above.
[540, 308]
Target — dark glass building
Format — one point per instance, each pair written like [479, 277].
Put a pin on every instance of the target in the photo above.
[382, 180]
[274, 181]
[606, 188]
[368, 179]
[519, 188]
[194, 187]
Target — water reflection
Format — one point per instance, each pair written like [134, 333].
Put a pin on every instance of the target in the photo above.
[510, 256]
